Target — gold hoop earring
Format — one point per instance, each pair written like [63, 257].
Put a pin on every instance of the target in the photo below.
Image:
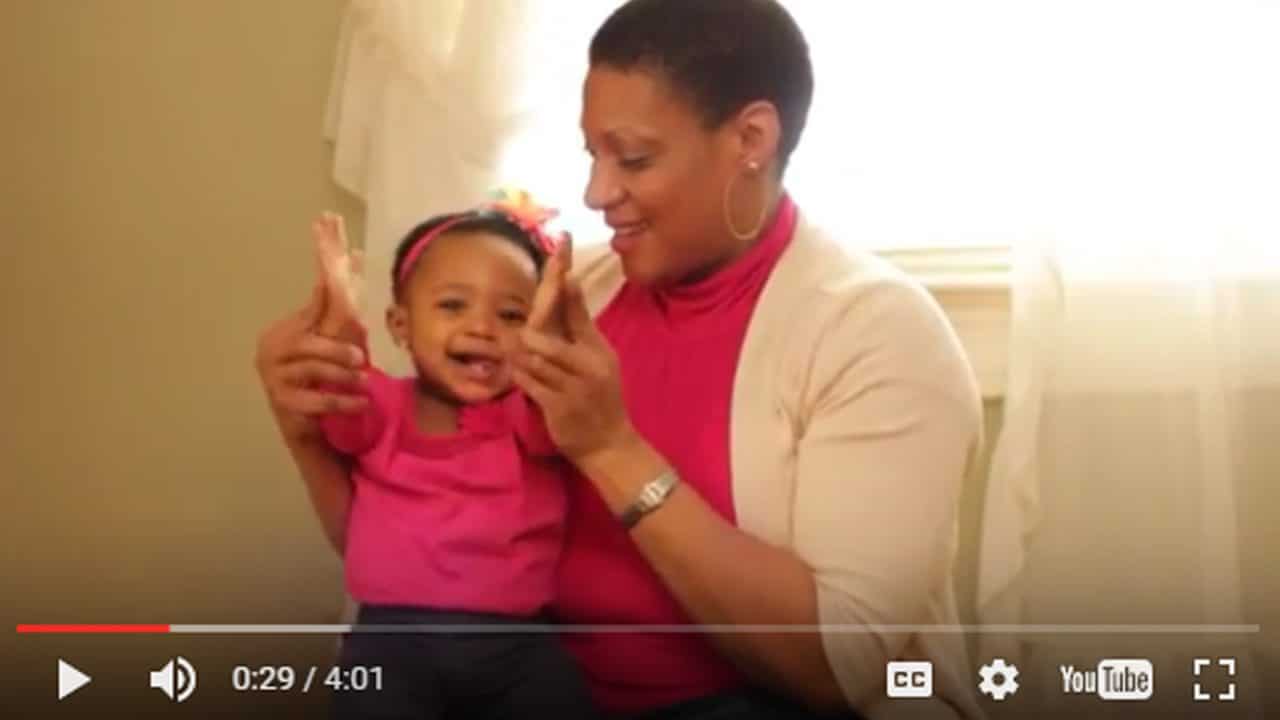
[752, 167]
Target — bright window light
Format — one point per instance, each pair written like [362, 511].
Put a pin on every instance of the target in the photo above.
[944, 125]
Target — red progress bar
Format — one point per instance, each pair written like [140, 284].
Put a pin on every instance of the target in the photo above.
[94, 629]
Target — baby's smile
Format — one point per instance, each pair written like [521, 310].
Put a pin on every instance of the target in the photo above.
[477, 366]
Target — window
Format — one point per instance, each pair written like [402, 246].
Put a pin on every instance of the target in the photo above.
[944, 133]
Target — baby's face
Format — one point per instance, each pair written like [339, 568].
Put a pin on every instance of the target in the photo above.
[464, 305]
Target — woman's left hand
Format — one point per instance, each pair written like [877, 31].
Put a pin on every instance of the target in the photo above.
[575, 380]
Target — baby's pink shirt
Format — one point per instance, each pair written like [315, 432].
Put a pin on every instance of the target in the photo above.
[470, 521]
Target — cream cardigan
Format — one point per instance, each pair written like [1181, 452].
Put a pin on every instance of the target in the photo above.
[855, 415]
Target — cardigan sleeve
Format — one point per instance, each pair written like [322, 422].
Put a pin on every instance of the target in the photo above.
[890, 416]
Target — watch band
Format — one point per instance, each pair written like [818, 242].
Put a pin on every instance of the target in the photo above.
[651, 497]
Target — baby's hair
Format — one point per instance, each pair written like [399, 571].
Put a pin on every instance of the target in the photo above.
[489, 221]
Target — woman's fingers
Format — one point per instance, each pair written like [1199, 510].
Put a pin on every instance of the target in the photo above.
[546, 297]
[317, 252]
[293, 368]
[338, 227]
[330, 229]
[330, 246]
[306, 373]
[322, 238]
[577, 317]
[569, 358]
[311, 313]
[540, 392]
[329, 260]
[565, 252]
[545, 370]
[340, 269]
[315, 347]
[306, 401]
[357, 271]
[545, 314]
[280, 338]
[335, 258]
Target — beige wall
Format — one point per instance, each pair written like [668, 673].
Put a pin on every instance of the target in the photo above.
[161, 161]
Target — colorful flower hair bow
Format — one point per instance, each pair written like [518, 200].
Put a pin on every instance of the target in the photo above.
[519, 206]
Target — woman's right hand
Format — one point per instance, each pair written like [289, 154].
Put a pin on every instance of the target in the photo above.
[293, 358]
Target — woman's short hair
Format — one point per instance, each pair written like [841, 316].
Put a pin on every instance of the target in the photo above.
[723, 54]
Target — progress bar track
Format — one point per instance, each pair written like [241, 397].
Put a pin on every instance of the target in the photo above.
[455, 629]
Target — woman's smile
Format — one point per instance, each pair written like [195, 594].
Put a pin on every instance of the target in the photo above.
[626, 235]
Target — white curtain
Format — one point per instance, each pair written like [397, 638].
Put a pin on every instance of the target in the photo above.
[1133, 483]
[1134, 480]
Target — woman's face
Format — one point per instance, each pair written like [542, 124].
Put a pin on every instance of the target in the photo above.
[461, 313]
[658, 175]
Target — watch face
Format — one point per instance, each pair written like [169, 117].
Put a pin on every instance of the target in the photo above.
[651, 496]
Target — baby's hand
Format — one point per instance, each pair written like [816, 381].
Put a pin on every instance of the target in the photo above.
[547, 311]
[341, 274]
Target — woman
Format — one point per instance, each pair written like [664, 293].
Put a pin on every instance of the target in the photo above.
[770, 430]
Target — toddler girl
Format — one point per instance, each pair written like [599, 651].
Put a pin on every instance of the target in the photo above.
[457, 511]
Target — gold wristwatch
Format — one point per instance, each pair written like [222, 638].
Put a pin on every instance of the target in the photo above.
[652, 495]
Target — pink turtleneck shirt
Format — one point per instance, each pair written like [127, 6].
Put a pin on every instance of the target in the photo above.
[678, 350]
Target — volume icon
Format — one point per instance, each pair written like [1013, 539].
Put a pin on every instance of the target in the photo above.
[177, 679]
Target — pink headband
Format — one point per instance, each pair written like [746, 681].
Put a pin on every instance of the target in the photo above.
[516, 205]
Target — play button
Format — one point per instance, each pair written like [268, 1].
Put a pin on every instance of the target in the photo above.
[70, 679]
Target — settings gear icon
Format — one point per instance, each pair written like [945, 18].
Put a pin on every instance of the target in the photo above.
[999, 679]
